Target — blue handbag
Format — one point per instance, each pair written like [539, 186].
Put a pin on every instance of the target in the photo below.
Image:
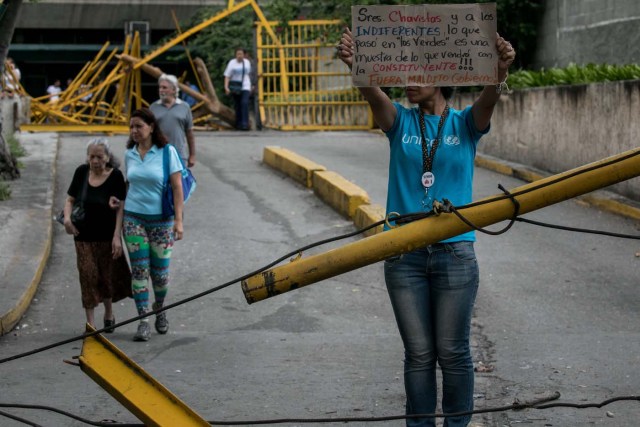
[188, 184]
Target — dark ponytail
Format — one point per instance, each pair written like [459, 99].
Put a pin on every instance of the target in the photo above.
[157, 137]
[447, 91]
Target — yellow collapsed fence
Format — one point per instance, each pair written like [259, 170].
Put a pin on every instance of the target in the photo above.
[98, 99]
[303, 85]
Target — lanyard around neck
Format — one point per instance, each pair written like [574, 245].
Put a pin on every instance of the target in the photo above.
[429, 154]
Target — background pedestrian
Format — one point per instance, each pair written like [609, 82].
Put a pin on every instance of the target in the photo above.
[174, 117]
[237, 83]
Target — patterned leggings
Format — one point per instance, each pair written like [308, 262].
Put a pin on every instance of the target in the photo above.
[149, 241]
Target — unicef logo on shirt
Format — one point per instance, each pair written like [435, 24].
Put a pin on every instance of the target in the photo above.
[415, 140]
[452, 140]
[410, 139]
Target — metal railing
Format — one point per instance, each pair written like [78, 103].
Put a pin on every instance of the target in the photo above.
[302, 85]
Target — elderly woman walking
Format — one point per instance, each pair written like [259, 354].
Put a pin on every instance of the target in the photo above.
[103, 270]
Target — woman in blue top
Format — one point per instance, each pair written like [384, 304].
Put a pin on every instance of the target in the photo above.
[433, 289]
[149, 236]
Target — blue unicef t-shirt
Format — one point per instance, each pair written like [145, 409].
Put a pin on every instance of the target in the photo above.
[452, 163]
[146, 179]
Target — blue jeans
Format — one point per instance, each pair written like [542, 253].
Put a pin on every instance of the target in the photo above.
[432, 292]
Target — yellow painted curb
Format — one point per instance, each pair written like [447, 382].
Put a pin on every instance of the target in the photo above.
[367, 215]
[486, 163]
[291, 164]
[609, 204]
[9, 319]
[339, 193]
[524, 174]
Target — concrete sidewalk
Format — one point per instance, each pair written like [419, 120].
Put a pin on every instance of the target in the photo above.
[26, 227]
[26, 220]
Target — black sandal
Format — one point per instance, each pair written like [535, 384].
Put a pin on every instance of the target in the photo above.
[109, 324]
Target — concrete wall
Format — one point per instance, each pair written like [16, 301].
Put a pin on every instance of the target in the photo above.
[93, 14]
[551, 129]
[589, 31]
[559, 128]
[14, 111]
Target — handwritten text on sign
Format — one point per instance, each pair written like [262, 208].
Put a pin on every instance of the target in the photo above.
[425, 45]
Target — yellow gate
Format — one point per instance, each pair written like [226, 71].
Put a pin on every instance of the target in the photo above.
[303, 85]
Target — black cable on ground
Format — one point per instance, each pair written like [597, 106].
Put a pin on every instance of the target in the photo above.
[66, 414]
[553, 181]
[19, 419]
[196, 296]
[589, 405]
[398, 219]
[516, 406]
[579, 230]
[516, 211]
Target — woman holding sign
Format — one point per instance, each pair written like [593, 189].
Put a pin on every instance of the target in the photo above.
[433, 289]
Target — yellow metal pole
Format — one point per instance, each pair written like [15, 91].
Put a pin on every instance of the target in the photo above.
[138, 79]
[533, 196]
[100, 92]
[135, 86]
[186, 50]
[284, 78]
[53, 112]
[190, 32]
[76, 127]
[134, 388]
[88, 69]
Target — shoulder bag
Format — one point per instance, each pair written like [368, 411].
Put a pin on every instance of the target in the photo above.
[235, 87]
[77, 211]
[188, 184]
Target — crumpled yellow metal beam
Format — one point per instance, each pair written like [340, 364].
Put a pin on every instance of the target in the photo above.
[134, 388]
[108, 89]
[100, 95]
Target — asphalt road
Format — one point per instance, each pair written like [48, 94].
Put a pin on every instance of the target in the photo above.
[556, 311]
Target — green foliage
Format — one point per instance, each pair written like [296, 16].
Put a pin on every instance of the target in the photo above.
[573, 75]
[518, 22]
[287, 10]
[5, 190]
[217, 43]
[15, 148]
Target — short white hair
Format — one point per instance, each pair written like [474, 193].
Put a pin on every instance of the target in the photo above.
[104, 143]
[173, 81]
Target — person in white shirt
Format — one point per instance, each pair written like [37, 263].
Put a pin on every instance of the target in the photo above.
[11, 78]
[54, 91]
[237, 83]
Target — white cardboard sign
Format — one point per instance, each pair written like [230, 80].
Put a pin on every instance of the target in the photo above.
[425, 45]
